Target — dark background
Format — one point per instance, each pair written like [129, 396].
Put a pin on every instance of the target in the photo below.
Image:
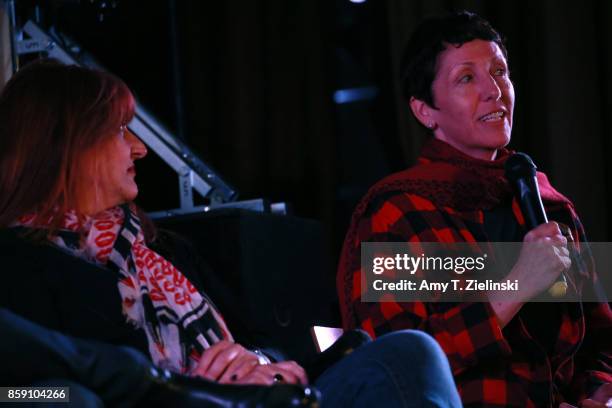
[249, 85]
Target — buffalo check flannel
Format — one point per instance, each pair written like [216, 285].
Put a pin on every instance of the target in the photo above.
[493, 367]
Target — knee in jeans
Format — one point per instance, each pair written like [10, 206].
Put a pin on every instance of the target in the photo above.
[411, 344]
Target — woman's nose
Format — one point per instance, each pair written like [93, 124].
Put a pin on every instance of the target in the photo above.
[138, 149]
[491, 89]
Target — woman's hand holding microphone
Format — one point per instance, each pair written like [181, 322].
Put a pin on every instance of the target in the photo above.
[543, 257]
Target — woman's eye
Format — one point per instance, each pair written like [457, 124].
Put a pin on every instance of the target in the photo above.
[465, 79]
[500, 71]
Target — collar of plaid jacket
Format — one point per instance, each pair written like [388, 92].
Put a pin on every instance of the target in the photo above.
[450, 178]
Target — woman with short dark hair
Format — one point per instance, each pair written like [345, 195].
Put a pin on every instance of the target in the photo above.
[504, 351]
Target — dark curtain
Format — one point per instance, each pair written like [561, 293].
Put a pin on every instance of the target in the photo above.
[258, 97]
[560, 56]
[259, 78]
[255, 80]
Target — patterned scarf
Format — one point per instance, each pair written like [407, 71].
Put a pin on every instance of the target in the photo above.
[179, 322]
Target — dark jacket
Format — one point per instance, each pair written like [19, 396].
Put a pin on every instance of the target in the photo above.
[49, 286]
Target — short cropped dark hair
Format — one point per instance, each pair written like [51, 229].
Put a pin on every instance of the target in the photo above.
[418, 66]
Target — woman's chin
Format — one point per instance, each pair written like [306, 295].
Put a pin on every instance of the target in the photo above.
[497, 141]
[132, 196]
[128, 195]
[132, 191]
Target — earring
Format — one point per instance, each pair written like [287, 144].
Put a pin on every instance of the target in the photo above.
[431, 125]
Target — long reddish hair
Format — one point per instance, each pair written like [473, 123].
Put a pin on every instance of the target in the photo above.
[50, 115]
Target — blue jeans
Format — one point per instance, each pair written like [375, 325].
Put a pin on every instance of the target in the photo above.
[401, 369]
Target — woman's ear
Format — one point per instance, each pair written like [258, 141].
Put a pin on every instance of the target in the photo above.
[422, 111]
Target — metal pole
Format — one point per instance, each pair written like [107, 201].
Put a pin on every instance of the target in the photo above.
[10, 10]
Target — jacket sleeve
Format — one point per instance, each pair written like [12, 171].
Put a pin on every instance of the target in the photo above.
[467, 332]
[594, 358]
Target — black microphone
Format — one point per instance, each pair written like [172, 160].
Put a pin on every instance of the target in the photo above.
[521, 172]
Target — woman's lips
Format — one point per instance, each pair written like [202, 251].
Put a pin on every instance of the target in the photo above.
[495, 116]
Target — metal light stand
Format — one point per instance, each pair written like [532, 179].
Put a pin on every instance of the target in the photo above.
[192, 172]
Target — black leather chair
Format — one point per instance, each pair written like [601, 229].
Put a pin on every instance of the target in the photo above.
[272, 275]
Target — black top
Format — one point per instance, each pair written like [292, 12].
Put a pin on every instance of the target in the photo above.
[49, 286]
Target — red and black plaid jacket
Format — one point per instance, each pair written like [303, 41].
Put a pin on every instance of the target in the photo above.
[492, 367]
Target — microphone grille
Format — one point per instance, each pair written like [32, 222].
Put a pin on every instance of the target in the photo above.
[519, 165]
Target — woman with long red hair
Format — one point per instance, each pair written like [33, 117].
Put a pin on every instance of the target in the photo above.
[78, 259]
[52, 135]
